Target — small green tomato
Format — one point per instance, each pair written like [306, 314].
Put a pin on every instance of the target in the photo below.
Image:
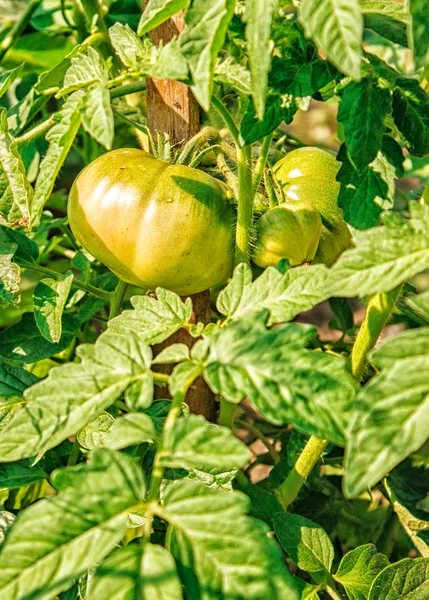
[290, 230]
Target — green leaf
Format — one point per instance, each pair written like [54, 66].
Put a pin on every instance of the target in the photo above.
[363, 108]
[10, 275]
[130, 430]
[56, 540]
[383, 257]
[388, 18]
[411, 114]
[201, 40]
[279, 109]
[195, 443]
[259, 15]
[408, 577]
[16, 193]
[27, 251]
[228, 552]
[50, 297]
[183, 375]
[23, 340]
[283, 380]
[25, 472]
[364, 195]
[358, 569]
[162, 61]
[172, 354]
[20, 113]
[307, 544]
[8, 77]
[336, 28]
[52, 79]
[60, 139]
[419, 32]
[95, 433]
[157, 12]
[234, 74]
[154, 319]
[389, 416]
[420, 303]
[143, 572]
[97, 114]
[74, 394]
[285, 295]
[14, 380]
[85, 69]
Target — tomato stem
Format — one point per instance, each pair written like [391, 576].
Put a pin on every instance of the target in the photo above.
[18, 27]
[227, 414]
[94, 291]
[40, 129]
[378, 311]
[245, 206]
[117, 299]
[227, 117]
[129, 88]
[379, 308]
[262, 161]
[309, 457]
[158, 469]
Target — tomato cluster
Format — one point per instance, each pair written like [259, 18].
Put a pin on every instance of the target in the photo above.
[158, 224]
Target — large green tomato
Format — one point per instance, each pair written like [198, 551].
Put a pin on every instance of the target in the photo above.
[308, 174]
[153, 223]
[290, 230]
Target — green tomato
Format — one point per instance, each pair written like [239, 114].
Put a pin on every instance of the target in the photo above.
[290, 230]
[152, 223]
[308, 174]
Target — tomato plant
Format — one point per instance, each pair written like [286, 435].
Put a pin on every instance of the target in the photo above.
[223, 202]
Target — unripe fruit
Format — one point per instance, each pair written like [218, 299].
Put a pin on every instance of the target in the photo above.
[152, 223]
[308, 174]
[290, 230]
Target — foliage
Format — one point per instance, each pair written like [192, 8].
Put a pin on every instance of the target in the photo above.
[109, 487]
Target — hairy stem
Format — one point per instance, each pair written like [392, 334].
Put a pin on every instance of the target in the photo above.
[34, 133]
[128, 88]
[243, 235]
[18, 27]
[158, 469]
[309, 457]
[227, 117]
[377, 314]
[94, 291]
[262, 161]
[117, 298]
[379, 308]
[227, 414]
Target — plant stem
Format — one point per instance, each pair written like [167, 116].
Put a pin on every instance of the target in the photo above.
[309, 457]
[128, 88]
[227, 414]
[79, 284]
[205, 135]
[332, 592]
[40, 129]
[245, 206]
[74, 454]
[92, 9]
[262, 161]
[117, 299]
[377, 314]
[229, 121]
[269, 446]
[158, 469]
[18, 27]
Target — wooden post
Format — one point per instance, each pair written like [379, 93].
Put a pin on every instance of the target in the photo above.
[172, 108]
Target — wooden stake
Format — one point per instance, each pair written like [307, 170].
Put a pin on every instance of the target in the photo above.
[172, 109]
